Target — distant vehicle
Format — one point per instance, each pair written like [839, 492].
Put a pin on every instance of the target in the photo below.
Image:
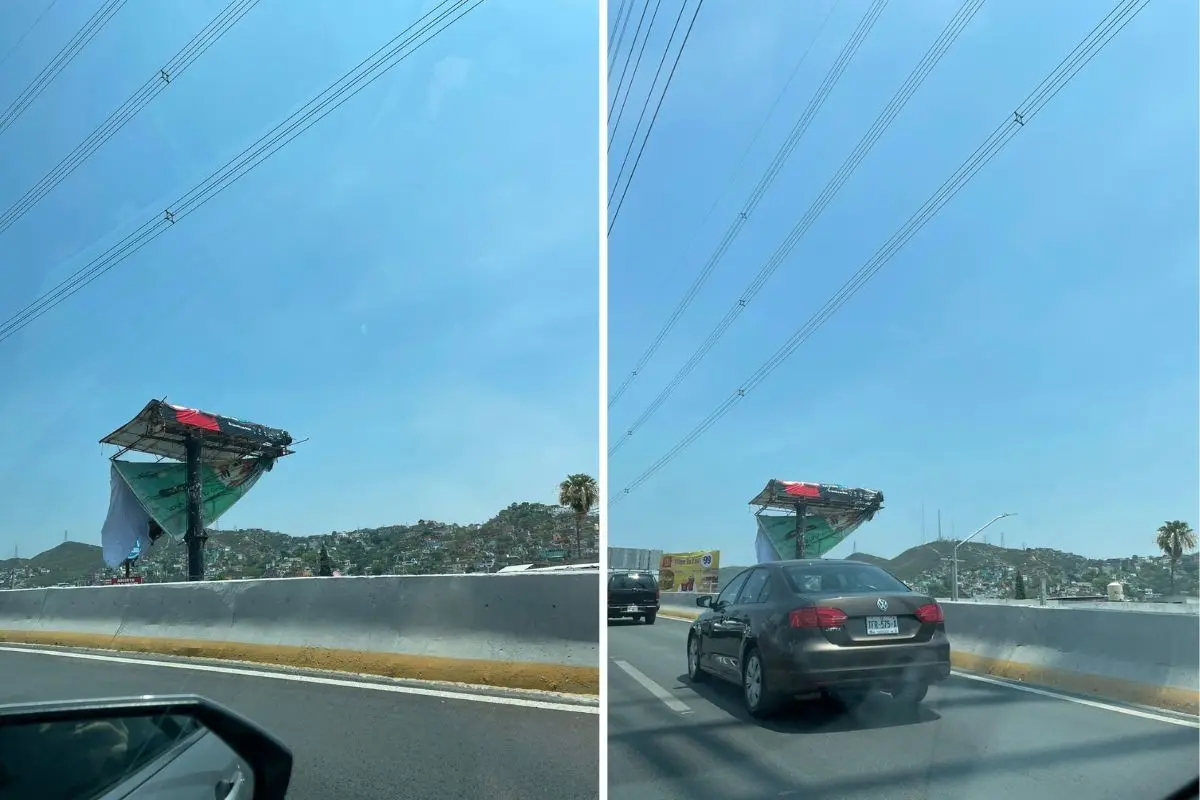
[841, 629]
[633, 595]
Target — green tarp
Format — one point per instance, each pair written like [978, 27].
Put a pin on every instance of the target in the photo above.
[822, 532]
[161, 489]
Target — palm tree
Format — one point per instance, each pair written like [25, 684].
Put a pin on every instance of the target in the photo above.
[1175, 538]
[580, 493]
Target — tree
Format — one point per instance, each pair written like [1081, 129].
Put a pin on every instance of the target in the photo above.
[1019, 588]
[580, 493]
[1175, 538]
[324, 563]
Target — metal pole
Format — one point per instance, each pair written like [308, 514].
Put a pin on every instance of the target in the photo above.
[801, 510]
[954, 555]
[195, 522]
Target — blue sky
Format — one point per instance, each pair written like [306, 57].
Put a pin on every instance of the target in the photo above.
[1033, 349]
[411, 285]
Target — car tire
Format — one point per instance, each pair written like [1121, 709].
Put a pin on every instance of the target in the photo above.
[760, 701]
[696, 673]
[911, 694]
[650, 617]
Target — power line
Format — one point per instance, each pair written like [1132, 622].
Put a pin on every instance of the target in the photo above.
[60, 61]
[687, 298]
[636, 64]
[29, 30]
[624, 11]
[950, 33]
[764, 184]
[658, 107]
[612, 62]
[1096, 40]
[616, 123]
[367, 72]
[117, 120]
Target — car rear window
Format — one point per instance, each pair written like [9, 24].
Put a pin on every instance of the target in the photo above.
[645, 582]
[841, 579]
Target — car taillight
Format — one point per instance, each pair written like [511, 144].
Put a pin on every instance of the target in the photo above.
[658, 593]
[930, 613]
[819, 617]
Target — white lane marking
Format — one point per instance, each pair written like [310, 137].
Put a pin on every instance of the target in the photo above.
[314, 679]
[1132, 712]
[1021, 687]
[668, 699]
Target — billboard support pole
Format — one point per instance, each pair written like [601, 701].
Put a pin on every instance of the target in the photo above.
[801, 510]
[195, 522]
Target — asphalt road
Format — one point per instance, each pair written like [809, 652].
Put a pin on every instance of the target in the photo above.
[974, 740]
[358, 742]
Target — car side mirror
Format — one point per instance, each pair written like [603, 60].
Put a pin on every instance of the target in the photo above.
[95, 748]
[705, 601]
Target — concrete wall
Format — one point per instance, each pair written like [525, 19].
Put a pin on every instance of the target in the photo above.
[1140, 657]
[1190, 606]
[528, 618]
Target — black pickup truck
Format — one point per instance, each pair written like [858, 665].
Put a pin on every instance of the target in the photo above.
[633, 595]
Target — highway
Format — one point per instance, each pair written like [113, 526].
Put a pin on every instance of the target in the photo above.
[354, 741]
[974, 740]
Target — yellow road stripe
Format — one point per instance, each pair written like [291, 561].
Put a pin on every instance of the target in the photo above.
[505, 674]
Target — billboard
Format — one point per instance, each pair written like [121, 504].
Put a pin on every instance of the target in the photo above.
[634, 558]
[689, 572]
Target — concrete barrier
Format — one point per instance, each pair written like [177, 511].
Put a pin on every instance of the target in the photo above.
[1139, 657]
[521, 630]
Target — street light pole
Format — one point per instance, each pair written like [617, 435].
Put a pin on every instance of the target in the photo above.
[954, 559]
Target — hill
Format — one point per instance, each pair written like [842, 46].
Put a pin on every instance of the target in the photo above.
[986, 570]
[519, 534]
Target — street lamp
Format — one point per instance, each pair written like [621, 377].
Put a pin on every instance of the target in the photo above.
[954, 559]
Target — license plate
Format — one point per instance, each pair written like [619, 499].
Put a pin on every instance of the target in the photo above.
[631, 609]
[881, 626]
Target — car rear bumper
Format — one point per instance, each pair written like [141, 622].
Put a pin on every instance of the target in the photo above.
[923, 664]
[616, 611]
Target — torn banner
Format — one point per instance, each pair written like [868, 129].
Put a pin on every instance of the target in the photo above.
[823, 531]
[144, 491]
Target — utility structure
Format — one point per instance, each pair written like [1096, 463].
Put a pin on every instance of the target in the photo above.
[954, 552]
[198, 439]
[836, 510]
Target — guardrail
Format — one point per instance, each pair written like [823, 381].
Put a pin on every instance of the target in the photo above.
[1130, 656]
[524, 630]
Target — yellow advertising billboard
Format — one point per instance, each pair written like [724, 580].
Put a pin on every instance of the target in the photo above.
[689, 572]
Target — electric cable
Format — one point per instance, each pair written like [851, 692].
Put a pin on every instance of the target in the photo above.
[64, 57]
[1083, 53]
[932, 57]
[176, 66]
[364, 74]
[764, 184]
[657, 108]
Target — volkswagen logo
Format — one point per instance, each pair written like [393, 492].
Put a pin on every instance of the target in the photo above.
[882, 604]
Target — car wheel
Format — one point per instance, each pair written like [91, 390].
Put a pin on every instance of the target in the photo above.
[911, 694]
[759, 699]
[650, 618]
[695, 673]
